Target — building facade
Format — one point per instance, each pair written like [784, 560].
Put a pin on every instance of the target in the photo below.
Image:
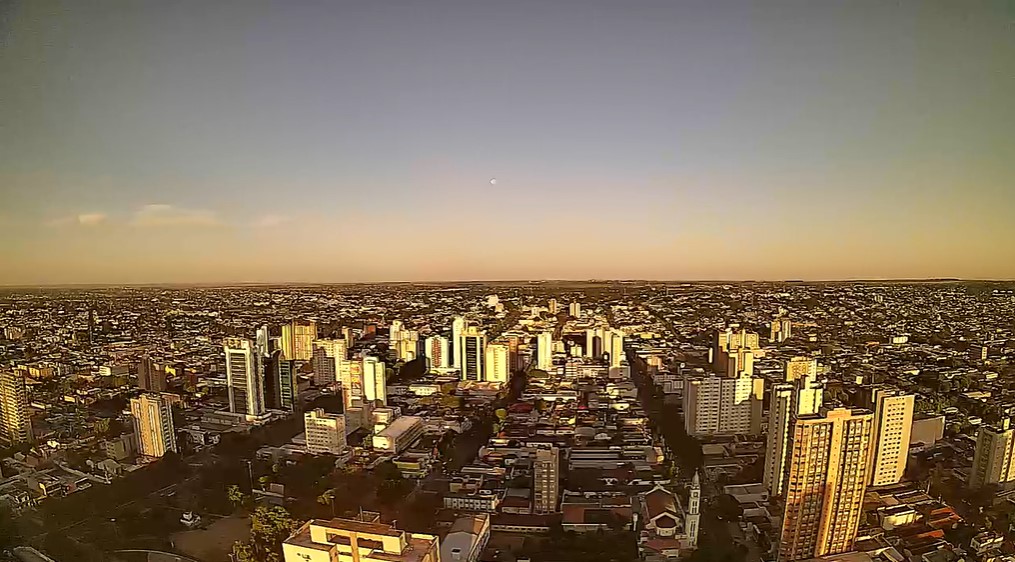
[496, 364]
[244, 377]
[15, 421]
[826, 477]
[716, 405]
[153, 425]
[325, 433]
[545, 480]
[893, 422]
[995, 452]
[788, 401]
[298, 339]
[358, 540]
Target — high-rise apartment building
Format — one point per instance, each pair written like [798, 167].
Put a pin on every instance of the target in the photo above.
[351, 377]
[375, 380]
[298, 339]
[395, 330]
[15, 422]
[328, 356]
[781, 329]
[826, 478]
[800, 367]
[787, 401]
[893, 421]
[733, 352]
[994, 460]
[545, 480]
[552, 306]
[457, 330]
[436, 349]
[575, 309]
[244, 377]
[615, 347]
[153, 425]
[544, 351]
[150, 376]
[281, 387]
[496, 364]
[716, 405]
[473, 346]
[325, 433]
[358, 540]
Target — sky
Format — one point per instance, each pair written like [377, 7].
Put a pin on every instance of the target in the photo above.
[246, 141]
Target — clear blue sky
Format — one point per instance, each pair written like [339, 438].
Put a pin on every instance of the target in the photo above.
[340, 141]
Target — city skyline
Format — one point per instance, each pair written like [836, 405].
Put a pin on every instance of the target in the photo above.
[357, 143]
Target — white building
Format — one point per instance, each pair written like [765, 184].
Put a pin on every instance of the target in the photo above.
[787, 401]
[497, 368]
[438, 354]
[457, 330]
[325, 432]
[375, 380]
[153, 425]
[399, 435]
[244, 377]
[544, 351]
[893, 421]
[329, 357]
[721, 405]
[466, 539]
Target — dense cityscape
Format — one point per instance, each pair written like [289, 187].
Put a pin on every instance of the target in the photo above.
[504, 422]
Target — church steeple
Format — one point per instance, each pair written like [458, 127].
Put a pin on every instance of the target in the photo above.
[693, 517]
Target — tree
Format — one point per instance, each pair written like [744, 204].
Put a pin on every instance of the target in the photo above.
[269, 526]
[236, 497]
[328, 498]
[102, 426]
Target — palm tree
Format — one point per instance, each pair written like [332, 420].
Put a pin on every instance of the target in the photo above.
[328, 497]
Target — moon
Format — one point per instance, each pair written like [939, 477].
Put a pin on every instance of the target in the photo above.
[493, 181]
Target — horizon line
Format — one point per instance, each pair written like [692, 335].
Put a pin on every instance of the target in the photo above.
[217, 284]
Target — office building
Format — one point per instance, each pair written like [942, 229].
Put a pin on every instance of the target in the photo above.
[437, 352]
[150, 376]
[328, 356]
[545, 480]
[544, 351]
[281, 387]
[893, 421]
[716, 405]
[826, 478]
[575, 309]
[153, 425]
[457, 331]
[787, 402]
[325, 432]
[473, 347]
[800, 367]
[15, 421]
[358, 540]
[244, 377]
[375, 380]
[298, 340]
[995, 453]
[496, 363]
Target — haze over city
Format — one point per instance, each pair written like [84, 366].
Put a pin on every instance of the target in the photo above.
[348, 142]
